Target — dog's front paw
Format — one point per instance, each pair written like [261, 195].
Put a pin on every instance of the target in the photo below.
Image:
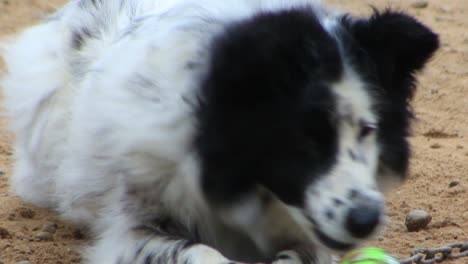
[201, 254]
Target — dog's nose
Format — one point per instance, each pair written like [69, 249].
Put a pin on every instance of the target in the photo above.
[363, 218]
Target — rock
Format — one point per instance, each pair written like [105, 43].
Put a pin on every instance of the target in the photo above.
[416, 220]
[23, 262]
[4, 233]
[454, 183]
[26, 213]
[436, 146]
[420, 4]
[50, 228]
[44, 236]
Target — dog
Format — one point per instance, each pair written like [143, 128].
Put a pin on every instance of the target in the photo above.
[214, 132]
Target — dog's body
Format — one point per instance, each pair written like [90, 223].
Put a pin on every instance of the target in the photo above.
[197, 131]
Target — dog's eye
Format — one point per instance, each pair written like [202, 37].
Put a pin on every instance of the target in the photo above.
[367, 129]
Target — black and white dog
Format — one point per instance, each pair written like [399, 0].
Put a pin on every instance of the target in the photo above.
[214, 131]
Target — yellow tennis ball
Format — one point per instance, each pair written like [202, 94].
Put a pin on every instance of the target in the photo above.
[368, 256]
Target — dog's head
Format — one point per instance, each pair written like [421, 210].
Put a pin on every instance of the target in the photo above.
[316, 110]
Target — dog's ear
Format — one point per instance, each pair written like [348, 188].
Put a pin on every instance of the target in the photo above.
[398, 45]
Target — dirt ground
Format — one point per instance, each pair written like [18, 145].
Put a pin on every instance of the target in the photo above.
[440, 146]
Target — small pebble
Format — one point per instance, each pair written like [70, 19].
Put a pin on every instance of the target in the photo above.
[2, 172]
[416, 220]
[454, 183]
[420, 4]
[4, 233]
[50, 228]
[44, 236]
[23, 262]
[436, 146]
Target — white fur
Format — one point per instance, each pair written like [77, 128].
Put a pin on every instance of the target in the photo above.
[88, 127]
[353, 102]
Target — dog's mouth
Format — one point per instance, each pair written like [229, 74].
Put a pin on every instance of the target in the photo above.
[331, 242]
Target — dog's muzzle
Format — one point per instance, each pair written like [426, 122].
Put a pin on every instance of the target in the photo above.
[359, 219]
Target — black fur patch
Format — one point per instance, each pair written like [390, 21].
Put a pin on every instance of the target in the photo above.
[352, 155]
[265, 113]
[86, 3]
[329, 214]
[79, 38]
[283, 257]
[387, 50]
[337, 202]
[169, 254]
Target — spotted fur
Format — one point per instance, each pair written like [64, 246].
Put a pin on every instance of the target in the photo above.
[207, 131]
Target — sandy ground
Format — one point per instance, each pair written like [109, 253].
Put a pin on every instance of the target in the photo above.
[440, 146]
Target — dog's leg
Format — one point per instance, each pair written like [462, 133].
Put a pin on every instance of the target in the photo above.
[143, 245]
[276, 228]
[123, 239]
[133, 247]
